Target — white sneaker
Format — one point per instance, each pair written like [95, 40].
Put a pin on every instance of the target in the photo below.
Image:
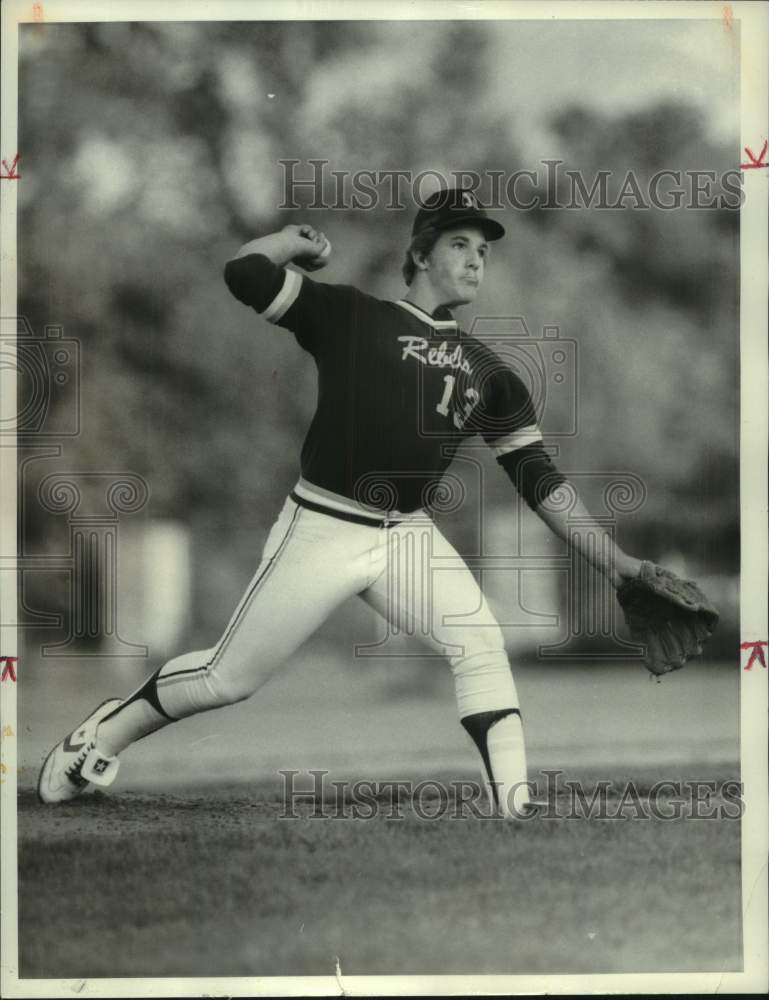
[76, 761]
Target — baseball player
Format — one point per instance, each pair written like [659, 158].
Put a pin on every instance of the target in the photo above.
[399, 388]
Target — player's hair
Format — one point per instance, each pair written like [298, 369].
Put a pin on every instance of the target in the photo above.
[422, 243]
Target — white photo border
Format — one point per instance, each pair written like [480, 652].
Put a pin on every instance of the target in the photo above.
[754, 258]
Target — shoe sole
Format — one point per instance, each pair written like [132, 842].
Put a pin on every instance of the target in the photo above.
[56, 746]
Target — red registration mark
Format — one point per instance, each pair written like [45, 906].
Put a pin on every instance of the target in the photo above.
[11, 172]
[757, 654]
[9, 668]
[756, 162]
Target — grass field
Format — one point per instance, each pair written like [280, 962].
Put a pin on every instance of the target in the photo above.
[132, 884]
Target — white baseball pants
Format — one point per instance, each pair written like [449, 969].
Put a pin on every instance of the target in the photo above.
[312, 563]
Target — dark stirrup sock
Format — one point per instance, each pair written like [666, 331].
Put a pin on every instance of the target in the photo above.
[498, 735]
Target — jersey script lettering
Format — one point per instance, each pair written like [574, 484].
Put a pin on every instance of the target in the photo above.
[416, 347]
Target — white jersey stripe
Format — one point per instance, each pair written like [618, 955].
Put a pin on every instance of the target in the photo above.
[285, 297]
[335, 501]
[437, 324]
[518, 439]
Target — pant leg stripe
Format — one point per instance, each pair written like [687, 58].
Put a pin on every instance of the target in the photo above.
[245, 603]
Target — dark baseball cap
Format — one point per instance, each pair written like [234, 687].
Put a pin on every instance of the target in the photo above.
[451, 207]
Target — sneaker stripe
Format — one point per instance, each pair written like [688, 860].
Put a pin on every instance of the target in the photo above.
[44, 769]
[71, 747]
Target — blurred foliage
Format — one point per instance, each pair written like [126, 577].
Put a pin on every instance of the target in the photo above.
[150, 152]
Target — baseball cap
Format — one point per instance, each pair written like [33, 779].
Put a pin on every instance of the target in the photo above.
[451, 207]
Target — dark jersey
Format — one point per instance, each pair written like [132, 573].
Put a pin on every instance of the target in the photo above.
[398, 389]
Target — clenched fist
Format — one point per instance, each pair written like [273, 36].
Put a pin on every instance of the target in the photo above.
[312, 248]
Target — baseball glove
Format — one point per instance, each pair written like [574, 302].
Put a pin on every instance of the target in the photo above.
[670, 616]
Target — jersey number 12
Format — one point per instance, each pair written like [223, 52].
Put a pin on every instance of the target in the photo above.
[471, 396]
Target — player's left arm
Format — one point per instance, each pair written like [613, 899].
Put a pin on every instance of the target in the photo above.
[539, 482]
[511, 430]
[593, 542]
[671, 617]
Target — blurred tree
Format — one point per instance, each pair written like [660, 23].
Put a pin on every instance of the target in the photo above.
[150, 151]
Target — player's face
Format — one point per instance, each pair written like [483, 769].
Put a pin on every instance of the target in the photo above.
[456, 265]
